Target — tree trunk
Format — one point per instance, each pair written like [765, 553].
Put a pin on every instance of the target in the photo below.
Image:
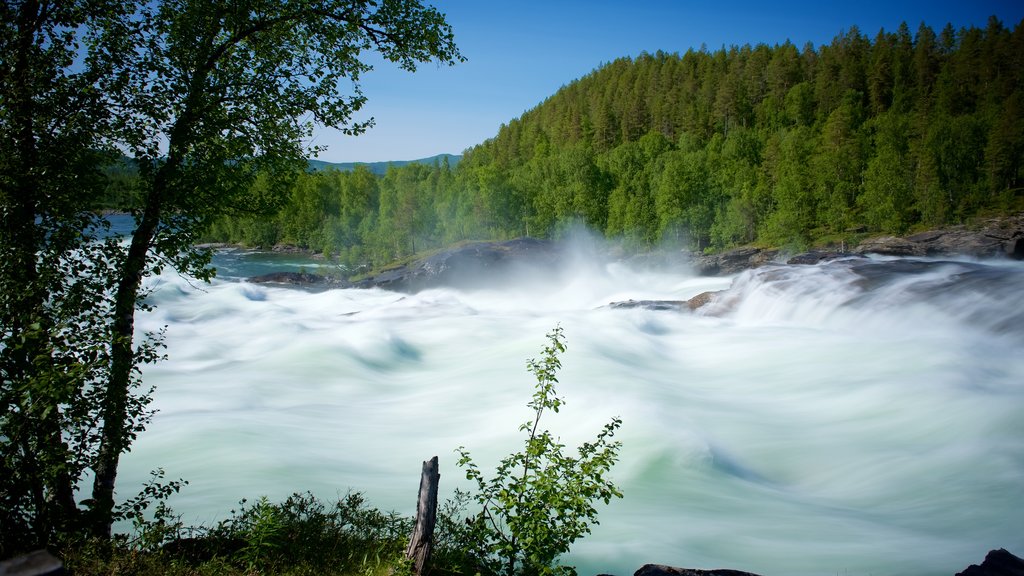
[43, 450]
[114, 437]
[422, 539]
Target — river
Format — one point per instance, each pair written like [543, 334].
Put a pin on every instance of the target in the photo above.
[861, 417]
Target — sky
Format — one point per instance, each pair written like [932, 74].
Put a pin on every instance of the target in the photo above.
[519, 53]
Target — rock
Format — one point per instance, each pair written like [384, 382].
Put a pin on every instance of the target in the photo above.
[701, 299]
[676, 305]
[990, 238]
[661, 570]
[890, 246]
[469, 265]
[672, 305]
[816, 257]
[296, 279]
[733, 261]
[996, 563]
[957, 242]
[38, 563]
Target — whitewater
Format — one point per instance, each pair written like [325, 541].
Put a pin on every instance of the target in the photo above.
[862, 416]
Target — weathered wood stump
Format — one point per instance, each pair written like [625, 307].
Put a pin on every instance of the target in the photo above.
[422, 539]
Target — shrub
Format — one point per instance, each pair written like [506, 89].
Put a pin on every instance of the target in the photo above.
[540, 499]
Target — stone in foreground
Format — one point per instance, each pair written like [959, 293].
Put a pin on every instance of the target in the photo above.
[661, 570]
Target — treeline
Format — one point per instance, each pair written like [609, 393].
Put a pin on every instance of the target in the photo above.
[775, 145]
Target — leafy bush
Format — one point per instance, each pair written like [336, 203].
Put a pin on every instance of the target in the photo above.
[300, 536]
[540, 500]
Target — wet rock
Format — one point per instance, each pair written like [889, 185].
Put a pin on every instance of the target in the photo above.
[701, 300]
[733, 261]
[996, 563]
[294, 278]
[675, 305]
[301, 280]
[661, 570]
[890, 246]
[995, 237]
[816, 257]
[692, 304]
[469, 265]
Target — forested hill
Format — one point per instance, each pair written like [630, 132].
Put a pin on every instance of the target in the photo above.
[380, 168]
[776, 145]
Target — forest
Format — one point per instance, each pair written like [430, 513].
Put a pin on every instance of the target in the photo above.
[768, 145]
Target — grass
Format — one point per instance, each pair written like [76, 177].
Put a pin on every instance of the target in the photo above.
[300, 536]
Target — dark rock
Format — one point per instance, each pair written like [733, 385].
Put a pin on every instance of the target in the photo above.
[289, 249]
[816, 257]
[997, 563]
[733, 261]
[957, 242]
[295, 279]
[473, 264]
[987, 239]
[661, 570]
[676, 305]
[38, 563]
[1014, 248]
[672, 305]
[890, 246]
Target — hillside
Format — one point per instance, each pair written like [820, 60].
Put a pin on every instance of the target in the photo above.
[769, 145]
[380, 168]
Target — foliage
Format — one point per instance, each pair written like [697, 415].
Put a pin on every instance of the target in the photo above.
[57, 261]
[301, 535]
[200, 109]
[540, 500]
[775, 145]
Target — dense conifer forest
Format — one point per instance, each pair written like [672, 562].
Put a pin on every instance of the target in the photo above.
[780, 145]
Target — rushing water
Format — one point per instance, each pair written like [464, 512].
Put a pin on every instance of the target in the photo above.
[859, 417]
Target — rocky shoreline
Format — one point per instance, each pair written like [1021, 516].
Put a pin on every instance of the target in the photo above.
[476, 264]
[997, 563]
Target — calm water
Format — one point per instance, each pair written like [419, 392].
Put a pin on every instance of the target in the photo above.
[837, 419]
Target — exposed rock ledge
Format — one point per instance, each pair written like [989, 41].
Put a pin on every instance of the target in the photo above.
[490, 263]
[468, 265]
[991, 238]
[996, 237]
[997, 563]
[661, 570]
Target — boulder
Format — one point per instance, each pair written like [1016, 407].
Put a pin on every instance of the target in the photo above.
[958, 242]
[469, 265]
[995, 237]
[661, 570]
[733, 261]
[38, 563]
[296, 279]
[816, 257]
[890, 246]
[673, 305]
[996, 563]
[701, 299]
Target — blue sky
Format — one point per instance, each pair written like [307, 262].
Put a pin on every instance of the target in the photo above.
[519, 53]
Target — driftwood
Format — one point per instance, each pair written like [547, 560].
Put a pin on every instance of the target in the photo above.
[422, 539]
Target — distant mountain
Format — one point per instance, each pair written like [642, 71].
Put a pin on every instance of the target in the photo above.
[380, 168]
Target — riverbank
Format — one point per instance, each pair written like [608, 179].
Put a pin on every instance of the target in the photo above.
[495, 263]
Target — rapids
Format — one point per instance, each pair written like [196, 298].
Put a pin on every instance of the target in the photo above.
[854, 417]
